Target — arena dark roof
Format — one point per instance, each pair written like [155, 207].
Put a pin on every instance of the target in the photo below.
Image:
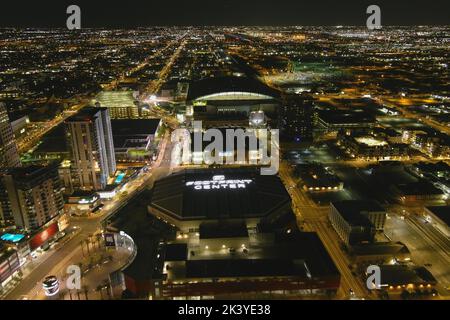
[223, 229]
[209, 86]
[301, 254]
[263, 195]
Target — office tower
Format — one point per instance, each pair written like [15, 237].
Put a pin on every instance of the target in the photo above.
[9, 156]
[91, 146]
[297, 118]
[30, 196]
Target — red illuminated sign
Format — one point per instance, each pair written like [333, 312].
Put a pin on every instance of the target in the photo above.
[46, 234]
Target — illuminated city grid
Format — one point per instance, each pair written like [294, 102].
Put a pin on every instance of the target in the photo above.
[90, 147]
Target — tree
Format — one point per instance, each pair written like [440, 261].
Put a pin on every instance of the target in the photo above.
[81, 244]
[86, 289]
[99, 238]
[100, 289]
[87, 245]
[107, 285]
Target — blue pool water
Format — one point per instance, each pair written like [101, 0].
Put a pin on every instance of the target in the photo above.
[119, 178]
[12, 237]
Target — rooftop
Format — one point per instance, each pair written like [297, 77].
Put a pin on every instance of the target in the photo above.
[371, 141]
[133, 133]
[316, 176]
[418, 188]
[28, 173]
[219, 193]
[210, 86]
[85, 114]
[224, 229]
[380, 248]
[300, 254]
[351, 210]
[115, 99]
[342, 117]
[404, 275]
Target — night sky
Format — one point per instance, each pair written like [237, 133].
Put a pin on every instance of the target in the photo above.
[133, 13]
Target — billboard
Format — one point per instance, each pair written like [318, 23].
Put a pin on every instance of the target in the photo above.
[43, 236]
[109, 240]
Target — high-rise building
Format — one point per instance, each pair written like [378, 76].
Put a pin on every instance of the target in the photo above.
[297, 118]
[9, 156]
[91, 147]
[30, 196]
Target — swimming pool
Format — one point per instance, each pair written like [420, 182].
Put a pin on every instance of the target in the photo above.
[12, 237]
[119, 178]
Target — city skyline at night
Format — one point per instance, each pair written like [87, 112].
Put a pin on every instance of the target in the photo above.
[238, 151]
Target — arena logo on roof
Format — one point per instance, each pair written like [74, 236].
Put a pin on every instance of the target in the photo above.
[219, 182]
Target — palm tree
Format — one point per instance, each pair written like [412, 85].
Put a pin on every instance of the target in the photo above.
[86, 289]
[99, 238]
[100, 289]
[91, 237]
[81, 244]
[107, 284]
[87, 245]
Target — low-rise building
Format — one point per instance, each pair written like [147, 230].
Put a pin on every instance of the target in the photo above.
[81, 202]
[369, 147]
[397, 278]
[419, 191]
[380, 252]
[337, 119]
[316, 178]
[356, 221]
[134, 139]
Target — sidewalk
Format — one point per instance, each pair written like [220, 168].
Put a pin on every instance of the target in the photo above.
[96, 268]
